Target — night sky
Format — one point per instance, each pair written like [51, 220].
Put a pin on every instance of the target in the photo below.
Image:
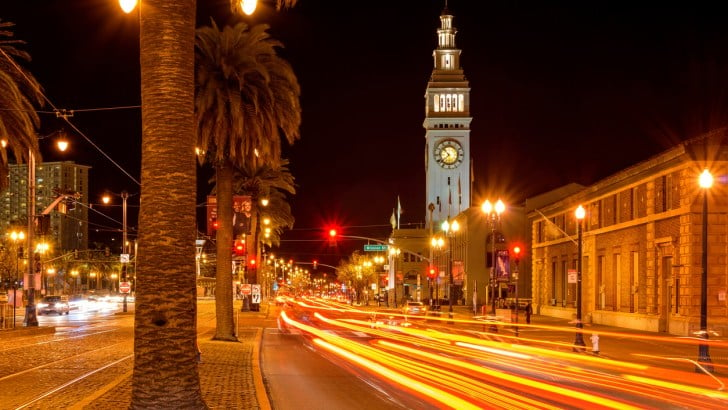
[561, 92]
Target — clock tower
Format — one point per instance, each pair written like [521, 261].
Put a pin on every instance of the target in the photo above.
[447, 129]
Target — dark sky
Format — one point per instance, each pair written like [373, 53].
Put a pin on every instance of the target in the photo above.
[561, 92]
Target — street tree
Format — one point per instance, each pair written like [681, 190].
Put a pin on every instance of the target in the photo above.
[246, 101]
[357, 272]
[165, 351]
[21, 93]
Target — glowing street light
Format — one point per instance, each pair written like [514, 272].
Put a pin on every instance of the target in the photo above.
[580, 213]
[706, 182]
[450, 230]
[493, 212]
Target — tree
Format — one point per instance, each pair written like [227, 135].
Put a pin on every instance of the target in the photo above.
[271, 181]
[358, 272]
[246, 99]
[165, 366]
[20, 91]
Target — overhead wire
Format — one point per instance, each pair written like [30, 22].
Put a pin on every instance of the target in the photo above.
[56, 110]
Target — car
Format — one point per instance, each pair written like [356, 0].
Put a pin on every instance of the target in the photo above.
[55, 304]
[415, 309]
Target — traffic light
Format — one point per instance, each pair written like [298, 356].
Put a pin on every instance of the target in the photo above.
[215, 224]
[332, 237]
[315, 264]
[517, 254]
[432, 273]
[38, 267]
[251, 262]
[239, 247]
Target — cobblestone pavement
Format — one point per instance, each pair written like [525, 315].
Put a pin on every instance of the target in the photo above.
[230, 375]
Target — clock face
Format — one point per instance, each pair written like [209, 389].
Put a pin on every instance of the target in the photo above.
[449, 154]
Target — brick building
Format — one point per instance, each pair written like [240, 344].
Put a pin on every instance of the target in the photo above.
[642, 244]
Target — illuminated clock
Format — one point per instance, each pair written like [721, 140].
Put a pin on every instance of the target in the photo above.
[449, 154]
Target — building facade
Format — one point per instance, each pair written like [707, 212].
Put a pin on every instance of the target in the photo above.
[68, 231]
[642, 244]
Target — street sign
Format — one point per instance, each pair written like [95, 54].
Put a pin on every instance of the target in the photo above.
[124, 258]
[255, 289]
[375, 248]
[124, 287]
[245, 289]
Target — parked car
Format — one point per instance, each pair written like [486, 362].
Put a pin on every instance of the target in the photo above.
[55, 304]
[415, 309]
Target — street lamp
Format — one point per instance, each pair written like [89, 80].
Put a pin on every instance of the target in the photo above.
[394, 255]
[450, 230]
[74, 275]
[580, 213]
[106, 199]
[706, 182]
[493, 212]
[437, 243]
[31, 318]
[50, 279]
[16, 236]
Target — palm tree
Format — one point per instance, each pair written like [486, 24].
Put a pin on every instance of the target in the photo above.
[246, 97]
[165, 366]
[265, 181]
[18, 119]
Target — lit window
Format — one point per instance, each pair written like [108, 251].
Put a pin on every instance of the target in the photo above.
[461, 103]
[437, 103]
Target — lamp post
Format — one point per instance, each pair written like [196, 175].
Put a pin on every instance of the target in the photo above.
[74, 275]
[450, 229]
[31, 318]
[437, 243]
[706, 182]
[124, 241]
[394, 255]
[493, 213]
[51, 281]
[16, 236]
[580, 213]
[30, 313]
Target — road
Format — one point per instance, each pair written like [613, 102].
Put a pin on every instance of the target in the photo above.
[297, 373]
[320, 355]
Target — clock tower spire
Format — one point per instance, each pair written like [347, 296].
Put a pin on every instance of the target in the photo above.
[447, 128]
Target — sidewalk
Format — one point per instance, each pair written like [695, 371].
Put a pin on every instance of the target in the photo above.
[230, 375]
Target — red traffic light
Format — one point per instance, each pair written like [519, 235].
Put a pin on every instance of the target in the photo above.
[315, 264]
[239, 247]
[517, 250]
[252, 262]
[332, 233]
[432, 273]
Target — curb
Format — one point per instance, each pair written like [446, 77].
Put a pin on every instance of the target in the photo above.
[260, 391]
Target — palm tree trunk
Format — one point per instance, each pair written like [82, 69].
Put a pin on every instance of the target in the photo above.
[224, 277]
[165, 349]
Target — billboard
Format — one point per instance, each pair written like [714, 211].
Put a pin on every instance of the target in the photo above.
[458, 272]
[242, 210]
[502, 266]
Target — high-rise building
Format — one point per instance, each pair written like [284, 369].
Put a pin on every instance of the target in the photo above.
[67, 231]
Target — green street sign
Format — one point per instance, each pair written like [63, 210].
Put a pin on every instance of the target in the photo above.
[375, 248]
